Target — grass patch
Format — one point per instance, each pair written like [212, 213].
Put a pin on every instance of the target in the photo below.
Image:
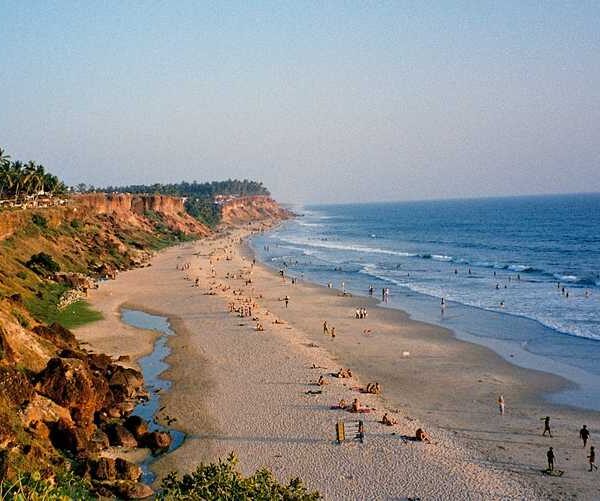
[77, 314]
[43, 307]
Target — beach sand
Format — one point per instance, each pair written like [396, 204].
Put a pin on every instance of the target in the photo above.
[236, 389]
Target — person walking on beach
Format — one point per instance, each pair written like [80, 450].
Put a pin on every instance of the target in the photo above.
[332, 332]
[370, 290]
[584, 434]
[546, 421]
[287, 300]
[501, 404]
[550, 456]
[592, 458]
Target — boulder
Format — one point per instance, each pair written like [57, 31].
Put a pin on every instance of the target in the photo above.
[124, 381]
[64, 435]
[57, 335]
[103, 469]
[137, 426]
[99, 441]
[126, 470]
[123, 489]
[156, 440]
[42, 409]
[75, 280]
[15, 387]
[120, 436]
[71, 384]
[133, 490]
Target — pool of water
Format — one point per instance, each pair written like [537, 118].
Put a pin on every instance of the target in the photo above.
[152, 366]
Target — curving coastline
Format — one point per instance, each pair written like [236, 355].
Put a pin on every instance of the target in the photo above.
[242, 390]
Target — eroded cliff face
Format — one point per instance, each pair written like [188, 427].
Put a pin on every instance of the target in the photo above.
[136, 209]
[244, 210]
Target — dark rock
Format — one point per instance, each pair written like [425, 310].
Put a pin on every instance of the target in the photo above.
[133, 490]
[121, 436]
[103, 469]
[156, 440]
[70, 383]
[99, 440]
[137, 426]
[125, 381]
[65, 436]
[126, 470]
[99, 361]
[15, 387]
[123, 489]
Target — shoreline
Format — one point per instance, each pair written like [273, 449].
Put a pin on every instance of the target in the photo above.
[237, 389]
[477, 325]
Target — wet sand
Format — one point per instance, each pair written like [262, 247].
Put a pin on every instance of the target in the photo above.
[236, 389]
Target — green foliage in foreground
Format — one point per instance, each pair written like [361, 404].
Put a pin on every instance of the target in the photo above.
[28, 486]
[223, 481]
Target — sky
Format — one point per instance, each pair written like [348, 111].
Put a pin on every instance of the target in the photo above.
[331, 101]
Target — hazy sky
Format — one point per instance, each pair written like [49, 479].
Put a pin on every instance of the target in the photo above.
[322, 101]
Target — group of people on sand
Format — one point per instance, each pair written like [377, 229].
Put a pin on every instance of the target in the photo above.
[356, 407]
[584, 435]
[360, 313]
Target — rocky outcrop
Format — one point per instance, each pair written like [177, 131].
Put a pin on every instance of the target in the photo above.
[243, 210]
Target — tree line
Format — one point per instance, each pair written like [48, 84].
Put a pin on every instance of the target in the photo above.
[20, 180]
[236, 187]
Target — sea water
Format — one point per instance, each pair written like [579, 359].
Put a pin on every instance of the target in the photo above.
[520, 275]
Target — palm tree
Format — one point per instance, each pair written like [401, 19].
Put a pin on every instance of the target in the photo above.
[16, 178]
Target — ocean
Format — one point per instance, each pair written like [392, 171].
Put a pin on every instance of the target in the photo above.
[520, 275]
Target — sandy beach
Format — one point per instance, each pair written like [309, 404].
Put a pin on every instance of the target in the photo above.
[255, 392]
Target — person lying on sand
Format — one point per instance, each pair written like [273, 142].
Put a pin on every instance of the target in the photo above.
[342, 404]
[277, 321]
[322, 381]
[388, 421]
[422, 436]
[344, 373]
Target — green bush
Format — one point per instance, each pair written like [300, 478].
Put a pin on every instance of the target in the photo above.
[75, 224]
[223, 481]
[22, 275]
[31, 486]
[39, 220]
[42, 263]
[23, 322]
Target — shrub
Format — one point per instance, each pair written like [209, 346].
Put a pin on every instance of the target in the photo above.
[75, 224]
[222, 480]
[23, 322]
[39, 220]
[42, 263]
[22, 275]
[32, 486]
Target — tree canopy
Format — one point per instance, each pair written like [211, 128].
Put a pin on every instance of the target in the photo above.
[19, 180]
